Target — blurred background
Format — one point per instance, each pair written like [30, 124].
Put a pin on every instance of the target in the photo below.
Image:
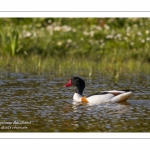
[102, 44]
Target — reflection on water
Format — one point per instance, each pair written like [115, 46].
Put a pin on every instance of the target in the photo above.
[32, 103]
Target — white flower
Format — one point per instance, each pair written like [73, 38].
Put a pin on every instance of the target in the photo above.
[148, 39]
[57, 28]
[139, 33]
[59, 43]
[147, 31]
[109, 36]
[106, 27]
[27, 34]
[91, 33]
[66, 28]
[69, 40]
[86, 33]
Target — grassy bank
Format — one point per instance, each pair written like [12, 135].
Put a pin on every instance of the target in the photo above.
[82, 66]
[107, 45]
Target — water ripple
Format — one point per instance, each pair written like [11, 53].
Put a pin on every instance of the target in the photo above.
[48, 105]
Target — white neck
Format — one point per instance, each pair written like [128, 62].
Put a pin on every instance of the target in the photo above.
[77, 97]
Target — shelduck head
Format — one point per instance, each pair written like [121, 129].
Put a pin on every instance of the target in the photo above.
[78, 82]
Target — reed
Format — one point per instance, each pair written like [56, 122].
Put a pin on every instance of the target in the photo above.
[79, 66]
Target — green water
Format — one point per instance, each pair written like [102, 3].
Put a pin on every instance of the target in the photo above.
[41, 103]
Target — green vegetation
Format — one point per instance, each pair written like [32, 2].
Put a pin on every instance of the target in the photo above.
[106, 45]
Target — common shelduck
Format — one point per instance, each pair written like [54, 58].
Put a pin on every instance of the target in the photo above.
[99, 97]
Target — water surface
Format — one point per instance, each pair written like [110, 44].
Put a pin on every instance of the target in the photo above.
[41, 103]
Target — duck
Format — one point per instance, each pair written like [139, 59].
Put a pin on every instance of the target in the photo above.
[112, 96]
